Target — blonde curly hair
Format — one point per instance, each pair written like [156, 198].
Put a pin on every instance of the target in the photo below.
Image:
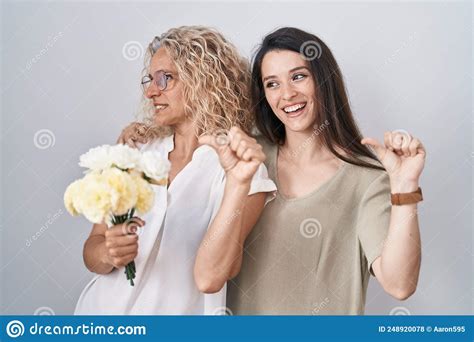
[216, 80]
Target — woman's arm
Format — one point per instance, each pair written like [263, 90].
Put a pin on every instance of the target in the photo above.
[219, 257]
[398, 267]
[220, 254]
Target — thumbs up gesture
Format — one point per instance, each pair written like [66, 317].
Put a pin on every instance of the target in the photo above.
[239, 155]
[403, 156]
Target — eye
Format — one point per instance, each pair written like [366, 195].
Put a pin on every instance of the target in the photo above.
[168, 77]
[298, 77]
[271, 85]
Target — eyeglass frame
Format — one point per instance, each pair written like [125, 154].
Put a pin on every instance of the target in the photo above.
[162, 77]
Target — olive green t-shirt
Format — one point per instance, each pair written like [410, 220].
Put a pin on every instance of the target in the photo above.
[312, 255]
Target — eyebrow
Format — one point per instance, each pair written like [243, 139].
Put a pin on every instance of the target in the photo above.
[292, 70]
[167, 71]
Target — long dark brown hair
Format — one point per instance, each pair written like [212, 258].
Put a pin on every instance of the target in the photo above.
[333, 105]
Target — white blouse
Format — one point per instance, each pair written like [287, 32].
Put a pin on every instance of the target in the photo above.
[168, 244]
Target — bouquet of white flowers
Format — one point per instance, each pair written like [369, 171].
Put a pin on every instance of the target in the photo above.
[117, 182]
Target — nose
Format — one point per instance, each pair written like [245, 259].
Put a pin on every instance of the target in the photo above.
[288, 91]
[152, 90]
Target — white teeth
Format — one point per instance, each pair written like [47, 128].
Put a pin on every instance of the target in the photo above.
[294, 108]
[159, 107]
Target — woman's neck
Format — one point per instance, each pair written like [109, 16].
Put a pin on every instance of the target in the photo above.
[305, 147]
[185, 140]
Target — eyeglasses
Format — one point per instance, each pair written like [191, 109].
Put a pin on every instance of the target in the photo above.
[160, 78]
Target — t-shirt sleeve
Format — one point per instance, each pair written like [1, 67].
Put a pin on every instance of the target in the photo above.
[374, 218]
[262, 183]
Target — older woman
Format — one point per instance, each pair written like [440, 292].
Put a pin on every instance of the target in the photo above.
[215, 194]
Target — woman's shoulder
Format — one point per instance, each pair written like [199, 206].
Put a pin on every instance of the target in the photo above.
[364, 174]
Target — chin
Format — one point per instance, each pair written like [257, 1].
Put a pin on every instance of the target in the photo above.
[157, 122]
[299, 127]
[160, 121]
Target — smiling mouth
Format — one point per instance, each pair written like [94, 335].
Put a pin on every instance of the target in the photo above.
[294, 109]
[159, 108]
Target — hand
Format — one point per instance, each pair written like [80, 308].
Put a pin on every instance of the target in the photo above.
[239, 155]
[133, 133]
[403, 156]
[121, 242]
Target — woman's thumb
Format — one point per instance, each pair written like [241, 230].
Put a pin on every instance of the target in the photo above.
[379, 149]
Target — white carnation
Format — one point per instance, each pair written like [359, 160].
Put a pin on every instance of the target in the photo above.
[125, 157]
[97, 158]
[154, 166]
[106, 156]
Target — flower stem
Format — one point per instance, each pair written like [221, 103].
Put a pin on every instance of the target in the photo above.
[130, 269]
[130, 272]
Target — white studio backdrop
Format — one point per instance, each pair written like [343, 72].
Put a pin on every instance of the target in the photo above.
[70, 81]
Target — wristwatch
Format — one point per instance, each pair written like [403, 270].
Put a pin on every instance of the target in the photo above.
[407, 198]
